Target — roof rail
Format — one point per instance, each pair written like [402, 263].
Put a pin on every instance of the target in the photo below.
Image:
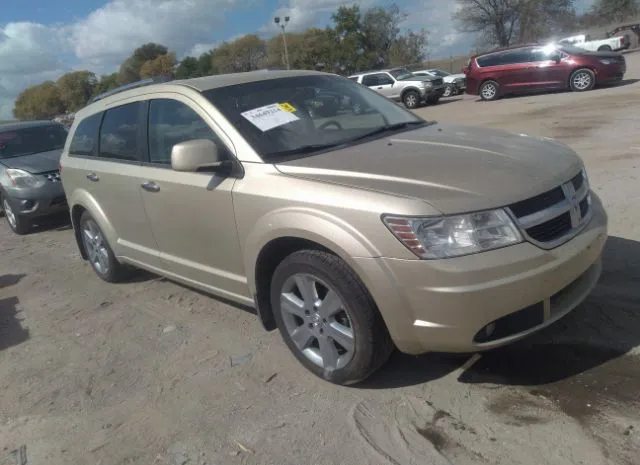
[133, 85]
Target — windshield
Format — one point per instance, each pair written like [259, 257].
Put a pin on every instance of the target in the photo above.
[27, 141]
[298, 115]
[401, 73]
[439, 73]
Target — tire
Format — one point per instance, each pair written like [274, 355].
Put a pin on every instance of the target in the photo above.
[18, 223]
[489, 91]
[604, 48]
[362, 343]
[411, 99]
[448, 91]
[98, 251]
[582, 80]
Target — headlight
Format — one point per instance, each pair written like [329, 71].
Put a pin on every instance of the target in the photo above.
[604, 61]
[427, 84]
[22, 179]
[453, 236]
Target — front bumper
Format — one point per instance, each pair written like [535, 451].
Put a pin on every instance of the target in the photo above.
[46, 200]
[434, 92]
[446, 305]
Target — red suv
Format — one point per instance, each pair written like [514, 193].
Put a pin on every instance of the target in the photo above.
[530, 68]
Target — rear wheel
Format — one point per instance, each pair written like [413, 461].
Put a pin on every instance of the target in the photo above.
[98, 252]
[604, 48]
[327, 317]
[489, 90]
[18, 224]
[411, 99]
[582, 80]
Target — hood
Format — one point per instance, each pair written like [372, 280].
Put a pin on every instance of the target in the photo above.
[35, 163]
[454, 168]
[419, 79]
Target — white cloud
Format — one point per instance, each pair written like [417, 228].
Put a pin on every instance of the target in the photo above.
[199, 49]
[27, 48]
[107, 34]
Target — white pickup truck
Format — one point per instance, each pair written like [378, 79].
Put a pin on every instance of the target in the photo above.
[601, 45]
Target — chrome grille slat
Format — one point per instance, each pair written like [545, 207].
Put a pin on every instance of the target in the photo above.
[565, 211]
[53, 176]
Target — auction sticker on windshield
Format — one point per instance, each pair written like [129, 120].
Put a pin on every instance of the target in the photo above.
[270, 116]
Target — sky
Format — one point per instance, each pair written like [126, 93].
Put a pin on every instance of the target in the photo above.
[42, 39]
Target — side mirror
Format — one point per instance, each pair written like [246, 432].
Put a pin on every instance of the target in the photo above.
[197, 155]
[557, 58]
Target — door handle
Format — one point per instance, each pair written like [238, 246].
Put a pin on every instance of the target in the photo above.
[380, 87]
[93, 177]
[150, 186]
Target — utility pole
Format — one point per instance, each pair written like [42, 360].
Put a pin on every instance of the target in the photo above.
[282, 25]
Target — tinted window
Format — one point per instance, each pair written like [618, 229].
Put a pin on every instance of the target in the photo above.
[384, 79]
[119, 133]
[37, 139]
[520, 55]
[172, 122]
[494, 59]
[85, 139]
[354, 78]
[370, 80]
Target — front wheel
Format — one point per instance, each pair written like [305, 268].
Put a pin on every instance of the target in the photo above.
[327, 317]
[411, 99]
[18, 224]
[582, 80]
[489, 90]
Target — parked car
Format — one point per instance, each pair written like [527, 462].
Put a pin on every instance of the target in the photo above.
[599, 45]
[402, 85]
[351, 234]
[533, 68]
[454, 83]
[30, 186]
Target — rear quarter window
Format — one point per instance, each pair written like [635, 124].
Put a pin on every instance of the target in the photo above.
[85, 138]
[119, 133]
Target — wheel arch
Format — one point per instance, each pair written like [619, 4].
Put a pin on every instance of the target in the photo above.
[409, 89]
[80, 202]
[289, 232]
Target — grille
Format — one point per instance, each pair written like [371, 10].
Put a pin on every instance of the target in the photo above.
[53, 176]
[437, 82]
[553, 217]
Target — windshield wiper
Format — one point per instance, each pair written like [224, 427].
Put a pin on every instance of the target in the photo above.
[391, 127]
[302, 150]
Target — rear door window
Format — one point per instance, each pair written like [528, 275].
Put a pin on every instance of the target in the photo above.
[370, 80]
[493, 59]
[85, 137]
[119, 136]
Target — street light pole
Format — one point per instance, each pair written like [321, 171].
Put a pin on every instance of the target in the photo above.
[284, 36]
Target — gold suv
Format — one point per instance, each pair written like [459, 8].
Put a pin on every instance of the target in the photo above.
[345, 220]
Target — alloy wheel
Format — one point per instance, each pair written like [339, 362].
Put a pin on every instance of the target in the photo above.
[489, 91]
[11, 217]
[411, 101]
[95, 246]
[582, 80]
[447, 91]
[317, 321]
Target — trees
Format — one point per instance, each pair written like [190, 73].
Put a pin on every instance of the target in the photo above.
[504, 22]
[40, 101]
[130, 68]
[244, 54]
[408, 49]
[163, 65]
[76, 88]
[106, 83]
[187, 68]
[615, 10]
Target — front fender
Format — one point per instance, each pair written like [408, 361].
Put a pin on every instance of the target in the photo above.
[322, 228]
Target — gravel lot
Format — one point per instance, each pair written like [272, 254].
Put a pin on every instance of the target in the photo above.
[150, 372]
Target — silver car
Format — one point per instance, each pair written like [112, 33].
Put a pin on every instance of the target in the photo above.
[402, 85]
[30, 186]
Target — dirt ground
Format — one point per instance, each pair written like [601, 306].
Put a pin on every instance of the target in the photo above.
[150, 372]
